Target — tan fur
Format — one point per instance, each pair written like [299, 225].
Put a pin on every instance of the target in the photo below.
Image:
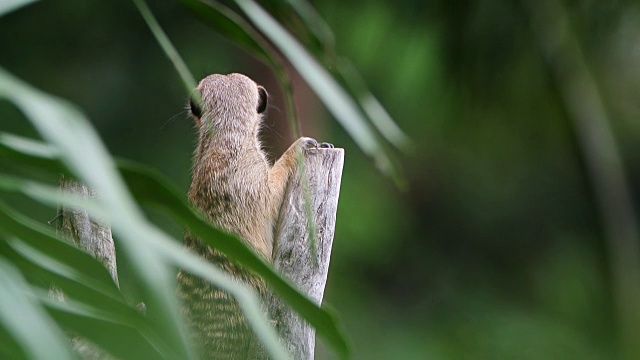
[234, 187]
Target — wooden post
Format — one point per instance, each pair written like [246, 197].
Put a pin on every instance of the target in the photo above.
[90, 235]
[294, 255]
[94, 237]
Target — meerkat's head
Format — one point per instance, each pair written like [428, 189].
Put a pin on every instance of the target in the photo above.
[229, 102]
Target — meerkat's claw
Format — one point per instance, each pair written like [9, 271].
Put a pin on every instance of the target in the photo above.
[309, 143]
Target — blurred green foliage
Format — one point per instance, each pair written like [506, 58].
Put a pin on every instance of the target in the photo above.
[494, 251]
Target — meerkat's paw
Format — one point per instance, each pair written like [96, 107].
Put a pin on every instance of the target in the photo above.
[309, 143]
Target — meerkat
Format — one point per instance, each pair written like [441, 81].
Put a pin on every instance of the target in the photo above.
[235, 187]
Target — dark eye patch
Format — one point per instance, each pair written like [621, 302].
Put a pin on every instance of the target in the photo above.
[195, 109]
[262, 102]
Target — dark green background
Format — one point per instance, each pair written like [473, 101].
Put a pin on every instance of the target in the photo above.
[494, 250]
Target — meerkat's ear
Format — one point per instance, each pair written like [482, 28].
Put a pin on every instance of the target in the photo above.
[263, 99]
[195, 109]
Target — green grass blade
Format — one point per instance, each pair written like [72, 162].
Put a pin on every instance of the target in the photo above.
[187, 78]
[7, 6]
[28, 146]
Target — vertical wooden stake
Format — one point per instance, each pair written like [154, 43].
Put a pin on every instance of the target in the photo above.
[90, 235]
[293, 253]
[94, 237]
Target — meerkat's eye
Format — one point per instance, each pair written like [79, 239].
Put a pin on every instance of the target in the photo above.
[195, 109]
[262, 102]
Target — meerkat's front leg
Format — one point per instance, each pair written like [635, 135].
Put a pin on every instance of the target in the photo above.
[285, 167]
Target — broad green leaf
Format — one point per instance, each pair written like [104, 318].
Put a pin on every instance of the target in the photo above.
[25, 320]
